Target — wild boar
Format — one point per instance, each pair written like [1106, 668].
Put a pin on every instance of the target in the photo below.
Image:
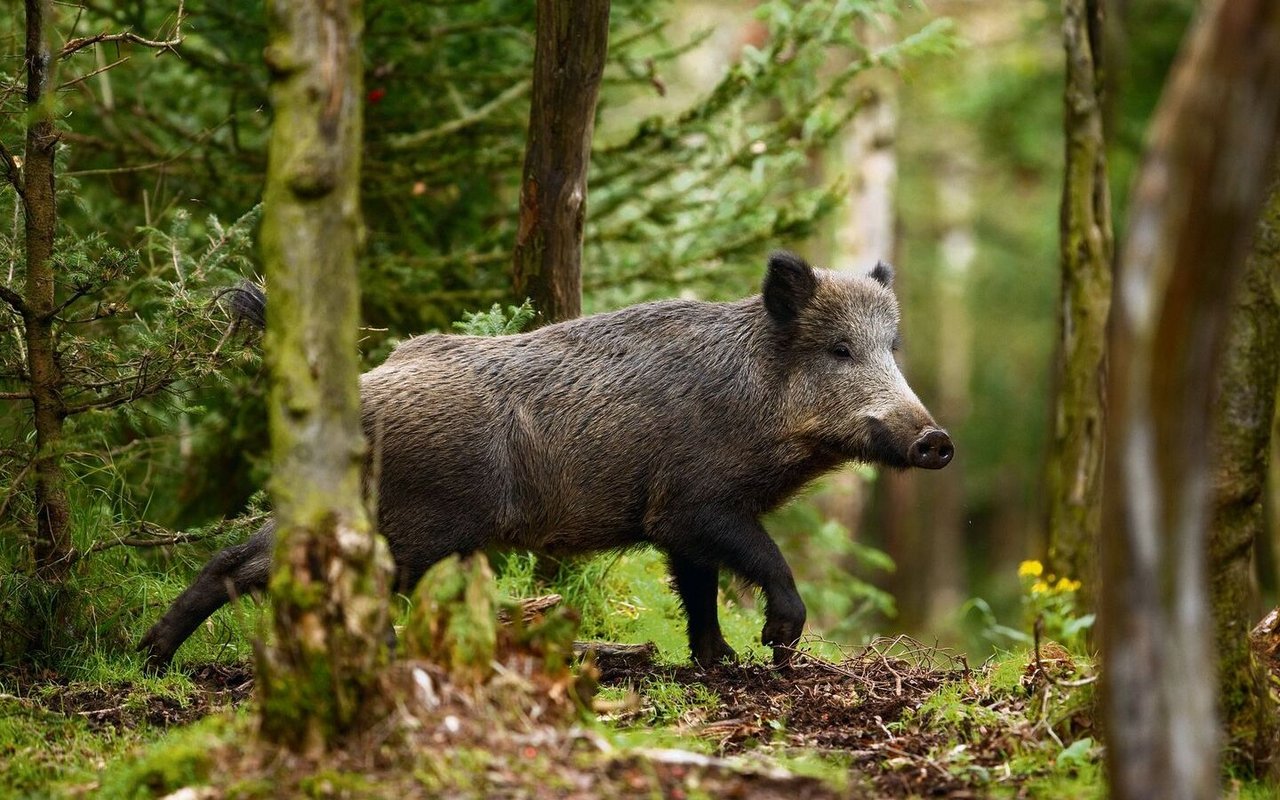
[674, 424]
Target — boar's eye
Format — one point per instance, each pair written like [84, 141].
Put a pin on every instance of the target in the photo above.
[841, 350]
[897, 343]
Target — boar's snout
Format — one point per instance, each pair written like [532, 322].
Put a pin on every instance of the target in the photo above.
[933, 450]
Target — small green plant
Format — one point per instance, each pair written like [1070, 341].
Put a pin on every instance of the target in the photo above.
[495, 321]
[1051, 604]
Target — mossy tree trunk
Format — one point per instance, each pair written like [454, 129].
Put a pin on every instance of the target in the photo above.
[1074, 465]
[52, 544]
[1242, 436]
[568, 62]
[330, 574]
[1195, 203]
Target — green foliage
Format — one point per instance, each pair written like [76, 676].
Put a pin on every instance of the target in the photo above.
[137, 331]
[454, 617]
[184, 758]
[495, 321]
[624, 597]
[43, 749]
[1048, 602]
[119, 591]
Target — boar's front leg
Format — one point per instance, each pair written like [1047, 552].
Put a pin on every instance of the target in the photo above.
[740, 543]
[699, 585]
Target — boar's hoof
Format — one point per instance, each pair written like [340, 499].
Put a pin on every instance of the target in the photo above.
[782, 632]
[157, 657]
[711, 653]
[933, 450]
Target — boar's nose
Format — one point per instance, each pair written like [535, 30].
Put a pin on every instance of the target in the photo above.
[933, 450]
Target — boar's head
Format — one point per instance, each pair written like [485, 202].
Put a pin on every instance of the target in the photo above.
[836, 337]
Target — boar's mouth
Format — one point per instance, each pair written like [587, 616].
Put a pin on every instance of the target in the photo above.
[880, 446]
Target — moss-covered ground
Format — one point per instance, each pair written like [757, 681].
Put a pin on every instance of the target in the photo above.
[892, 718]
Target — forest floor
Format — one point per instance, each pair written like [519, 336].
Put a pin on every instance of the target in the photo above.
[894, 720]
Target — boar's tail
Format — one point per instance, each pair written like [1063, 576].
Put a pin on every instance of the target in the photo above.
[247, 304]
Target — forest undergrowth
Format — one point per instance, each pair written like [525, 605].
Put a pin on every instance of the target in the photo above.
[892, 718]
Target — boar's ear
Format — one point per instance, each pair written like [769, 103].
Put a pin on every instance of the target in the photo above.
[788, 285]
[883, 274]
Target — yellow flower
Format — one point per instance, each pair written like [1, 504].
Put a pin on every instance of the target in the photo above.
[1040, 587]
[1030, 569]
[1066, 585]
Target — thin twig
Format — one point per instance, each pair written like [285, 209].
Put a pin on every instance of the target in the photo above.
[75, 45]
[13, 299]
[11, 172]
[410, 140]
[1035, 633]
[14, 486]
[157, 536]
[89, 75]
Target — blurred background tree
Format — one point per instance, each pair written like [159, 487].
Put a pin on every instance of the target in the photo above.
[850, 131]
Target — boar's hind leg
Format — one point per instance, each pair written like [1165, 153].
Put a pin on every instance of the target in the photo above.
[741, 544]
[239, 569]
[699, 586]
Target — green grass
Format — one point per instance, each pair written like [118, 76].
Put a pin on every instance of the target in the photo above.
[625, 597]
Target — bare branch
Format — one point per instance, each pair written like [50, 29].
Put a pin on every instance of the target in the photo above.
[74, 45]
[195, 142]
[14, 486]
[13, 299]
[89, 75]
[409, 141]
[10, 165]
[15, 395]
[148, 534]
[80, 291]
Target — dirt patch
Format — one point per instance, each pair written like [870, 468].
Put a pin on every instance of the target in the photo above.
[126, 705]
[848, 708]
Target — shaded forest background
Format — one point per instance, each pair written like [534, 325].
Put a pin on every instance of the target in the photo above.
[135, 398]
[931, 139]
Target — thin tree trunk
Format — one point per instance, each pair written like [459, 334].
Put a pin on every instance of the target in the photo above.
[1242, 438]
[568, 62]
[1195, 203]
[864, 234]
[945, 546]
[866, 231]
[330, 574]
[53, 555]
[1075, 461]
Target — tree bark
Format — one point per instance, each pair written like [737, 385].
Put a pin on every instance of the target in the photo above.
[330, 574]
[1242, 438]
[1194, 205]
[1074, 464]
[568, 62]
[52, 548]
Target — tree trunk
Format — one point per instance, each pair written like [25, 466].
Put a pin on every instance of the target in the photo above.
[1194, 206]
[330, 574]
[568, 62]
[1242, 437]
[945, 544]
[1074, 465]
[53, 555]
[864, 234]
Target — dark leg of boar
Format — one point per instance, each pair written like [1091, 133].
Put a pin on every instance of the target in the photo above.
[699, 586]
[233, 572]
[740, 542]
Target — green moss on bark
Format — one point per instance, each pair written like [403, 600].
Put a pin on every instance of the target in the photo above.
[331, 572]
[1242, 435]
[454, 619]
